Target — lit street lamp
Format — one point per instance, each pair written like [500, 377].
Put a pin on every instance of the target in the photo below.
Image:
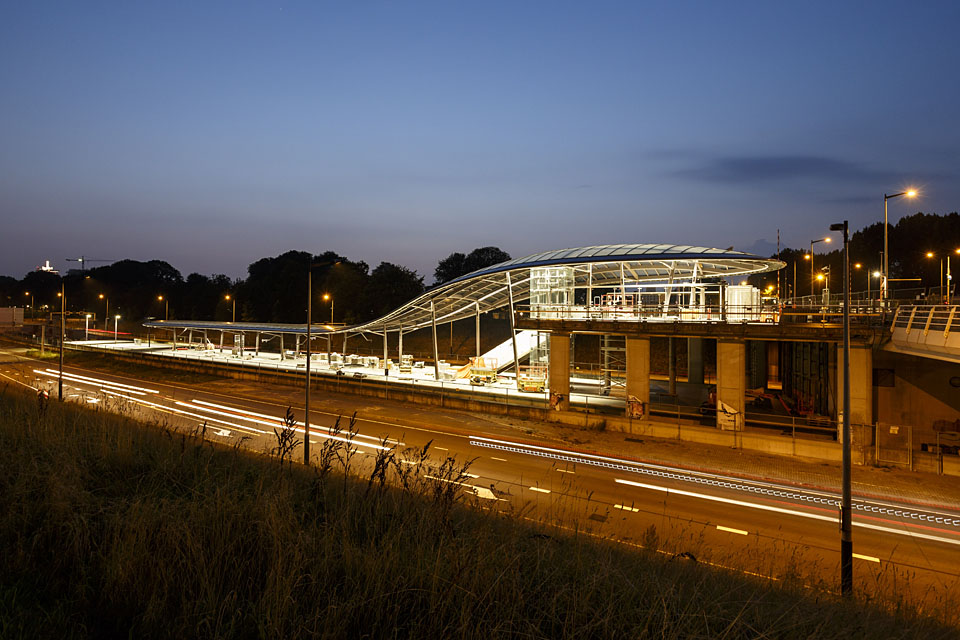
[166, 307]
[116, 319]
[63, 335]
[327, 296]
[86, 327]
[106, 311]
[810, 256]
[27, 293]
[234, 300]
[911, 193]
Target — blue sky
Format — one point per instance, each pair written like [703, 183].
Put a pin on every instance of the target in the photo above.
[212, 134]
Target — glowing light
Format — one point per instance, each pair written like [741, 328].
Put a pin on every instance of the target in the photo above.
[912, 193]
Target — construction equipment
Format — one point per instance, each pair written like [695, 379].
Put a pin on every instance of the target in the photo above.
[83, 260]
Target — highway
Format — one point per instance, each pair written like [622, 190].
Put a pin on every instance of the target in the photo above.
[751, 526]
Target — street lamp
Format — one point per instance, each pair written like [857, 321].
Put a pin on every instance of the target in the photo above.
[813, 242]
[227, 297]
[27, 293]
[846, 510]
[910, 193]
[326, 297]
[86, 328]
[63, 334]
[106, 312]
[116, 319]
[166, 307]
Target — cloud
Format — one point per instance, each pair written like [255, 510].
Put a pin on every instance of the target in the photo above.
[765, 169]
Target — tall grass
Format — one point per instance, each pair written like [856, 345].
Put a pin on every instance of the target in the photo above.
[113, 528]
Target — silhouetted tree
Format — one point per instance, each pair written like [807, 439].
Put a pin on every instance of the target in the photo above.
[458, 264]
[389, 286]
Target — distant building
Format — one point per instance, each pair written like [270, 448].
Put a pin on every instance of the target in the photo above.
[47, 268]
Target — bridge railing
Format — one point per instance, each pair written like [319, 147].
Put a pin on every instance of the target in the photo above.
[799, 311]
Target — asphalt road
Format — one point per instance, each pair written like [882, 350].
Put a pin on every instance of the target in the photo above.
[752, 526]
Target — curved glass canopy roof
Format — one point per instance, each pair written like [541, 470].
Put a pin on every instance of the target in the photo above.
[490, 288]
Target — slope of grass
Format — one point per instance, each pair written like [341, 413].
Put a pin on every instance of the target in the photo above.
[112, 528]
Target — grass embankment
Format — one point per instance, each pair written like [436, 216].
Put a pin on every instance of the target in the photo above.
[109, 527]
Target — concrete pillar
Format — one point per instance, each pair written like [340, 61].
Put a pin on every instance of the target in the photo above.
[861, 384]
[559, 371]
[731, 382]
[638, 372]
[672, 365]
[695, 360]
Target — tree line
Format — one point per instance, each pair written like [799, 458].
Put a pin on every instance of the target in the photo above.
[910, 241]
[274, 289]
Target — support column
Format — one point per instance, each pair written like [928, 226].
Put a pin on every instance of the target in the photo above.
[283, 356]
[436, 353]
[386, 371]
[672, 365]
[478, 328]
[731, 383]
[513, 340]
[638, 377]
[861, 384]
[695, 360]
[221, 341]
[256, 351]
[559, 371]
[400, 348]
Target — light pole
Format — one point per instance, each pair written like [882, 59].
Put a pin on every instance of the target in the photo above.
[27, 293]
[326, 297]
[306, 408]
[116, 319]
[911, 193]
[846, 511]
[227, 297]
[106, 312]
[950, 277]
[166, 307]
[63, 334]
[810, 255]
[86, 328]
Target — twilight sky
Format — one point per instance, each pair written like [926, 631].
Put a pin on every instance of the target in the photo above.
[211, 134]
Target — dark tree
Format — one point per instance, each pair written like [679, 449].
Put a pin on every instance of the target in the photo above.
[449, 268]
[457, 264]
[389, 286]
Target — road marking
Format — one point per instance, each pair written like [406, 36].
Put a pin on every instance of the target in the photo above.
[729, 530]
[497, 459]
[625, 508]
[441, 449]
[539, 490]
[565, 471]
[792, 512]
[480, 492]
[867, 558]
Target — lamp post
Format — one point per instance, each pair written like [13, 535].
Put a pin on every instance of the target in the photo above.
[326, 297]
[228, 298]
[846, 511]
[63, 335]
[116, 320]
[813, 242]
[27, 293]
[106, 311]
[910, 193]
[306, 408]
[950, 277]
[166, 307]
[86, 328]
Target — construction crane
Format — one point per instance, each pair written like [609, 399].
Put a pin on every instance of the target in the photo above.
[83, 260]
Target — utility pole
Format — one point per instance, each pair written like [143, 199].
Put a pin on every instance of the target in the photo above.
[63, 333]
[306, 415]
[846, 511]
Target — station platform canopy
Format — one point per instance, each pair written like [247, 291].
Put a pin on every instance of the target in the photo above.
[596, 268]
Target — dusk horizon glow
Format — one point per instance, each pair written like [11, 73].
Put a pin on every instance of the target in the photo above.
[212, 135]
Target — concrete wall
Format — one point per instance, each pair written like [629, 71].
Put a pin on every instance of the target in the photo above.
[861, 384]
[923, 390]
